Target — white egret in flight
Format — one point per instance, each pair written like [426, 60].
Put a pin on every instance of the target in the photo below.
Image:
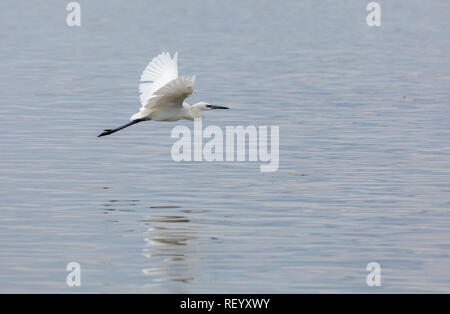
[162, 94]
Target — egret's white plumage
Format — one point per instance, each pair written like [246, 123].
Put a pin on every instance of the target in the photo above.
[162, 94]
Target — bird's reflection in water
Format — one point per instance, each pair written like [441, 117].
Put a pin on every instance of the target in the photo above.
[170, 246]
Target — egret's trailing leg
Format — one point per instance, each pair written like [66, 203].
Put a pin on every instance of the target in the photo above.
[111, 131]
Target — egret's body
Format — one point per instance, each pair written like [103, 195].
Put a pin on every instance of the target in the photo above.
[162, 94]
[172, 112]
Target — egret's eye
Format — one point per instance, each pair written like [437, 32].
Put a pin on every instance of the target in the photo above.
[208, 106]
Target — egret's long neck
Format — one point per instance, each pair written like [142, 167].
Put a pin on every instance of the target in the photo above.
[188, 114]
[196, 112]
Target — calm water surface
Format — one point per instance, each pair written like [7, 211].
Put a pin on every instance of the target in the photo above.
[364, 148]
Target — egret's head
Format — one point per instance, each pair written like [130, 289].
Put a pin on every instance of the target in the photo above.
[199, 107]
[206, 106]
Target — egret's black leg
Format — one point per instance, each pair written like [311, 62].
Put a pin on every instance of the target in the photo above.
[111, 131]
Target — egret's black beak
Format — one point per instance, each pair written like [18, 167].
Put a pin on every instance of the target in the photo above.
[218, 107]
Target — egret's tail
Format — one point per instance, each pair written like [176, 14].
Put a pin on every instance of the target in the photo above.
[111, 131]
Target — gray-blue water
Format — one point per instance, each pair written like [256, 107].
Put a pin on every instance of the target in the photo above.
[364, 169]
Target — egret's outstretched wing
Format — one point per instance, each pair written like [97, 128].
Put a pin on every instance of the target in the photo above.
[171, 94]
[160, 71]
